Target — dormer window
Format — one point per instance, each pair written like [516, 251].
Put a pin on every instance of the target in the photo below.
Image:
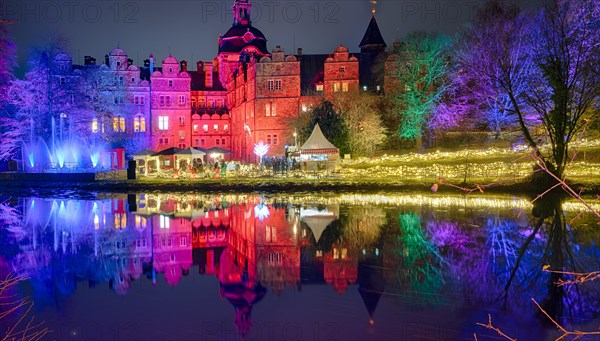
[319, 87]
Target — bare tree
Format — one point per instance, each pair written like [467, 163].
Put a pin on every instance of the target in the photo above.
[546, 66]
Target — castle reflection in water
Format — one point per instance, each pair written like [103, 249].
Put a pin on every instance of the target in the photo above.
[462, 250]
[251, 246]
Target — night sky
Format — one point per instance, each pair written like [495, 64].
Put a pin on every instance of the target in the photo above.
[189, 29]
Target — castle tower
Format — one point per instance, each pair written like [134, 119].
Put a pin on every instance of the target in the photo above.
[372, 52]
[241, 38]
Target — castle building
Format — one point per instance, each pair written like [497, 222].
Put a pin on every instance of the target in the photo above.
[245, 95]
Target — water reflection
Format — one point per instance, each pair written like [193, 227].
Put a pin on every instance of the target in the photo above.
[477, 253]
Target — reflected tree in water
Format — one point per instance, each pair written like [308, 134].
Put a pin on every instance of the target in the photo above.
[420, 260]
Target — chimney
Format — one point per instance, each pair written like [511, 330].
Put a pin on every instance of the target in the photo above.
[208, 75]
[299, 52]
[89, 60]
[106, 60]
[199, 66]
[183, 65]
[151, 65]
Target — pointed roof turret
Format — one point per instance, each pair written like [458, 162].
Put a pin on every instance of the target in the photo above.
[317, 141]
[372, 40]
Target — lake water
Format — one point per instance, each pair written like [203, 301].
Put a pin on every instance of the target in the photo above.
[297, 267]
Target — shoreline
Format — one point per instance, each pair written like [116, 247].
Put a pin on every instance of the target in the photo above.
[262, 185]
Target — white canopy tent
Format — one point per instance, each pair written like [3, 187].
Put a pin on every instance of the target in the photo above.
[317, 152]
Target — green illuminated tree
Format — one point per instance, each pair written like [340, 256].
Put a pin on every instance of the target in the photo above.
[422, 262]
[422, 65]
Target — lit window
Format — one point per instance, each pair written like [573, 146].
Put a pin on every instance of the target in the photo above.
[165, 222]
[163, 122]
[119, 124]
[94, 125]
[319, 87]
[304, 108]
[270, 234]
[226, 127]
[139, 124]
[336, 87]
[345, 87]
[378, 88]
[270, 109]
[205, 128]
[196, 128]
[216, 127]
[182, 135]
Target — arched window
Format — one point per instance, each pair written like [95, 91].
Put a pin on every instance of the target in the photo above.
[202, 103]
[139, 124]
[119, 124]
[211, 103]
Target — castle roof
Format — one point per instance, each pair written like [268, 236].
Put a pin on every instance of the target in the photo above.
[199, 81]
[170, 60]
[240, 36]
[311, 71]
[118, 52]
[372, 36]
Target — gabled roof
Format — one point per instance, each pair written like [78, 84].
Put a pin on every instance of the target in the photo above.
[372, 35]
[199, 81]
[317, 140]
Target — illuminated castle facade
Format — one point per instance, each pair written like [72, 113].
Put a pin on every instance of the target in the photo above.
[245, 95]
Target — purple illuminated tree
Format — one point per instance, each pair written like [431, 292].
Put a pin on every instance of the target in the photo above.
[41, 98]
[7, 62]
[546, 68]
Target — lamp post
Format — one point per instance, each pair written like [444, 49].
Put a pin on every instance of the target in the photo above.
[295, 138]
